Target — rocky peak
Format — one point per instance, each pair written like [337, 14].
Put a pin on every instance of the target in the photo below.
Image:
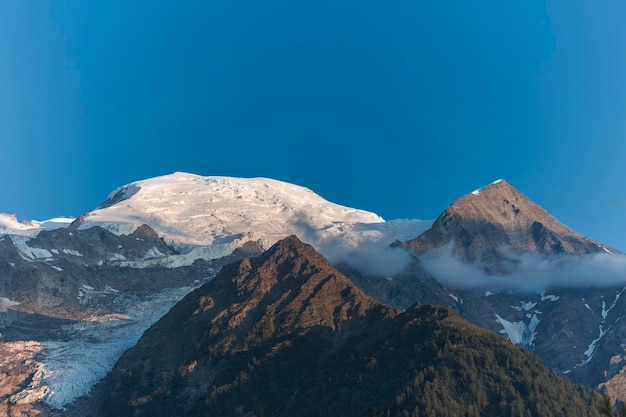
[291, 286]
[497, 218]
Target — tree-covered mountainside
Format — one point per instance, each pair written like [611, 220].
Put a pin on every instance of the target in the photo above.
[286, 334]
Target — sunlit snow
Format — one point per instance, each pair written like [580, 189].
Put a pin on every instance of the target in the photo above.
[10, 226]
[190, 210]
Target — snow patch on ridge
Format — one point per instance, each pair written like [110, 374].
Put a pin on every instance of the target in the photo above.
[524, 306]
[6, 303]
[519, 332]
[591, 349]
[10, 226]
[545, 297]
[478, 190]
[29, 253]
[605, 311]
[456, 298]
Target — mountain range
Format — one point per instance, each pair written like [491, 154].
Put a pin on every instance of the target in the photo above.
[78, 293]
[286, 334]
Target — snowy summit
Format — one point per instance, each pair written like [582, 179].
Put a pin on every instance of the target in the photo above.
[189, 211]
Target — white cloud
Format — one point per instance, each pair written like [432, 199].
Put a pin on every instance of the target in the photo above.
[364, 246]
[534, 272]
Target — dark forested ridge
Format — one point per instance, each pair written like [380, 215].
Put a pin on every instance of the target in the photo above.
[286, 334]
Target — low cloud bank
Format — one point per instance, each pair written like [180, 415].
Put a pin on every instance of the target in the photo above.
[369, 257]
[365, 247]
[533, 272]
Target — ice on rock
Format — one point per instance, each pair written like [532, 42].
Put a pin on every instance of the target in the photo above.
[29, 253]
[525, 306]
[519, 332]
[549, 297]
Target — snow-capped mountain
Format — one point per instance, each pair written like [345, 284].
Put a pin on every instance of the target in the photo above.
[190, 210]
[86, 290]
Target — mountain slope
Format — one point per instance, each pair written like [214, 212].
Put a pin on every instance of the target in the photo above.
[488, 224]
[286, 334]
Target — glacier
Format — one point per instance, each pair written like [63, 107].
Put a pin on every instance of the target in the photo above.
[86, 351]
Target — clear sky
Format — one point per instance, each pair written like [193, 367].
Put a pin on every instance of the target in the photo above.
[396, 107]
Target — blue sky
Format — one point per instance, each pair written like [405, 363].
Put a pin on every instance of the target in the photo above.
[395, 107]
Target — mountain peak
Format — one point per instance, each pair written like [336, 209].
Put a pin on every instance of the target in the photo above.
[290, 286]
[291, 244]
[498, 202]
[497, 218]
[499, 183]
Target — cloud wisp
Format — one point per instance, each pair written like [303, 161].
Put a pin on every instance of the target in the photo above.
[365, 247]
[533, 272]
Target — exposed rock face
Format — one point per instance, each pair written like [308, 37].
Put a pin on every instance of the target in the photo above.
[76, 274]
[19, 372]
[486, 224]
[286, 334]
